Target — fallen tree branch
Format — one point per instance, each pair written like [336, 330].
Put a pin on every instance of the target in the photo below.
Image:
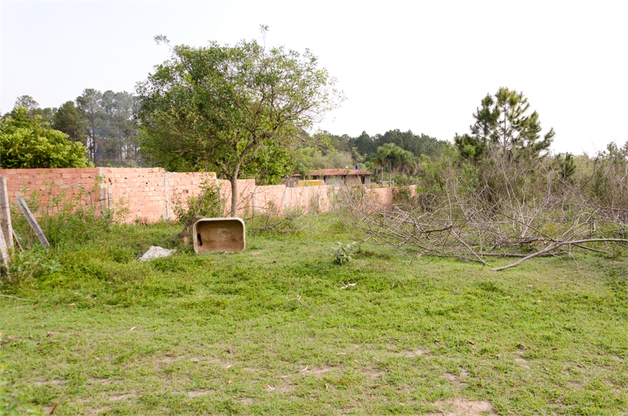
[16, 298]
[555, 245]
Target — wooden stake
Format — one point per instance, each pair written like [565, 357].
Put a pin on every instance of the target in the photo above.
[4, 253]
[17, 240]
[5, 211]
[32, 221]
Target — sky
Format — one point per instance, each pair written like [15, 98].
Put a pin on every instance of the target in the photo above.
[416, 65]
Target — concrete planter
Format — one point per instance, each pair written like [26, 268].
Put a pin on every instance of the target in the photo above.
[219, 234]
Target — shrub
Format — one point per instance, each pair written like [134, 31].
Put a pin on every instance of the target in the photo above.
[206, 204]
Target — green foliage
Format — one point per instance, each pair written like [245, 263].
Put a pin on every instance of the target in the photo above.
[31, 265]
[311, 158]
[107, 121]
[503, 125]
[270, 164]
[607, 185]
[273, 222]
[14, 399]
[343, 252]
[28, 142]
[217, 107]
[566, 166]
[417, 144]
[70, 120]
[206, 204]
[65, 218]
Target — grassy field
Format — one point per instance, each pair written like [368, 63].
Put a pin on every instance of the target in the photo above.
[281, 329]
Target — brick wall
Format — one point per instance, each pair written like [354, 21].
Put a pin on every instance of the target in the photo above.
[149, 194]
[54, 186]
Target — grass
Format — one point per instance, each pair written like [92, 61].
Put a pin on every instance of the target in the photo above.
[278, 329]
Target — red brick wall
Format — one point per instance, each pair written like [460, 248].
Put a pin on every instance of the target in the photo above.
[74, 186]
[149, 194]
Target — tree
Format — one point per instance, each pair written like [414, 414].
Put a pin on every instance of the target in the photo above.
[503, 126]
[392, 156]
[70, 120]
[215, 107]
[89, 104]
[27, 142]
[27, 102]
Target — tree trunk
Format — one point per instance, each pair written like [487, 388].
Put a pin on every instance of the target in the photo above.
[234, 195]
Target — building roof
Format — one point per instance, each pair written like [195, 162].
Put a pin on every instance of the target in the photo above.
[339, 172]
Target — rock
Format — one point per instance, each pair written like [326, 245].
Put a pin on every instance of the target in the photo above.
[155, 252]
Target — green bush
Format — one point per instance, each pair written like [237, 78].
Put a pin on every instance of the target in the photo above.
[206, 204]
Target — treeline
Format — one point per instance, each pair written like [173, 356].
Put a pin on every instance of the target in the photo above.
[365, 145]
[102, 121]
[399, 153]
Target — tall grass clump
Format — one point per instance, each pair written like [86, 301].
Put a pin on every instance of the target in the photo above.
[69, 224]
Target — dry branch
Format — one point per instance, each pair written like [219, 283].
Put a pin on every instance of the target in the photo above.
[555, 245]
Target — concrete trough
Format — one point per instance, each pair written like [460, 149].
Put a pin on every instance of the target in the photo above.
[219, 234]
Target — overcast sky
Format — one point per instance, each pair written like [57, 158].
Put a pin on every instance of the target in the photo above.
[410, 65]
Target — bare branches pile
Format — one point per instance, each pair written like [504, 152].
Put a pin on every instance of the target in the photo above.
[499, 215]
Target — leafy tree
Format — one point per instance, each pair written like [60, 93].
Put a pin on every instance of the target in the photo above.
[27, 102]
[217, 107]
[27, 142]
[70, 120]
[270, 164]
[311, 158]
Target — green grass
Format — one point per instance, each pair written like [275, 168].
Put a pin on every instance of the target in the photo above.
[270, 331]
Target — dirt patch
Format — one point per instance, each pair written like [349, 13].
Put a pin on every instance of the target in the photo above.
[247, 401]
[223, 364]
[373, 373]
[54, 382]
[464, 407]
[197, 393]
[450, 377]
[96, 380]
[456, 379]
[316, 371]
[522, 362]
[279, 389]
[101, 411]
[412, 353]
[125, 396]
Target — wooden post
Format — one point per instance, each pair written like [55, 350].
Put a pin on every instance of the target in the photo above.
[4, 253]
[32, 221]
[7, 227]
[103, 199]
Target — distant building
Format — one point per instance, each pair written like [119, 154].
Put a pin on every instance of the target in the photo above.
[334, 177]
